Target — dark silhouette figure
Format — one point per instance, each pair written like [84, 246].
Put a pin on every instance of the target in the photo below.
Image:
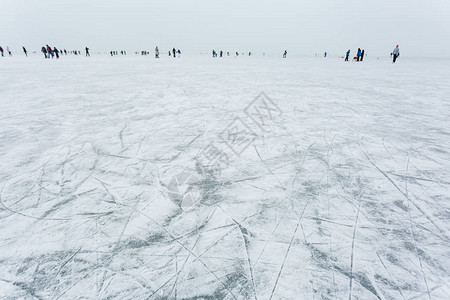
[87, 52]
[1, 51]
[362, 55]
[358, 54]
[174, 53]
[285, 54]
[56, 52]
[25, 51]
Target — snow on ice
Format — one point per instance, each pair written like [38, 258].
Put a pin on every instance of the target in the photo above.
[119, 181]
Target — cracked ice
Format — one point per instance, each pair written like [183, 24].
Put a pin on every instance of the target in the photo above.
[345, 196]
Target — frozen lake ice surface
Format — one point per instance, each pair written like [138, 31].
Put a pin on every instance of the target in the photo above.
[233, 178]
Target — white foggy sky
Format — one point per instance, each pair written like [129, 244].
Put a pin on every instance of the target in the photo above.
[422, 28]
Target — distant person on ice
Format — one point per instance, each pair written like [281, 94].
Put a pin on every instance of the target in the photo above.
[1, 51]
[156, 52]
[285, 54]
[358, 55]
[49, 51]
[56, 51]
[43, 50]
[362, 55]
[25, 51]
[87, 52]
[396, 54]
[9, 51]
[174, 53]
[347, 55]
[325, 54]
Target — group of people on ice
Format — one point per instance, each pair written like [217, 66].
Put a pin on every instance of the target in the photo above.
[359, 55]
[50, 52]
[112, 53]
[221, 53]
[173, 53]
[2, 52]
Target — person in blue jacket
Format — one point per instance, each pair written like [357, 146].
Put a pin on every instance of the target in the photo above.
[359, 54]
[347, 55]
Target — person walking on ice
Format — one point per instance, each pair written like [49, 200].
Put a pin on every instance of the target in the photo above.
[156, 52]
[396, 54]
[44, 50]
[1, 51]
[25, 51]
[87, 52]
[347, 55]
[49, 52]
[56, 51]
[285, 54]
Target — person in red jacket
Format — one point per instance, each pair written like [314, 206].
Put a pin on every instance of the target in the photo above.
[50, 51]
